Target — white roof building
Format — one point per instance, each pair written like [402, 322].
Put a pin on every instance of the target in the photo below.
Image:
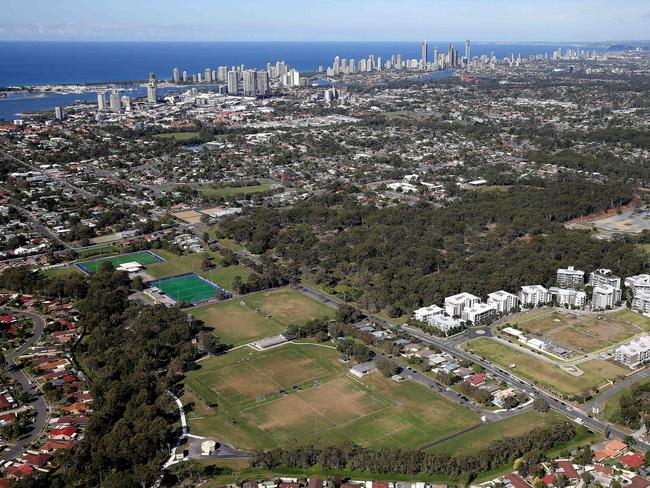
[479, 312]
[570, 277]
[455, 304]
[444, 323]
[638, 283]
[634, 353]
[534, 295]
[425, 314]
[605, 296]
[602, 277]
[570, 297]
[503, 301]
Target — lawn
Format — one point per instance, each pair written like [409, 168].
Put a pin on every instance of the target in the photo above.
[480, 438]
[62, 272]
[229, 191]
[175, 265]
[179, 136]
[260, 315]
[287, 305]
[302, 394]
[583, 332]
[596, 372]
[235, 323]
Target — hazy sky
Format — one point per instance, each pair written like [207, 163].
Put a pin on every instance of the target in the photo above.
[314, 20]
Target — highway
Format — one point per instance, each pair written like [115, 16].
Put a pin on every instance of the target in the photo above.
[38, 403]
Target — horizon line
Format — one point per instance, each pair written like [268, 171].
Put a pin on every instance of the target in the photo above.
[484, 41]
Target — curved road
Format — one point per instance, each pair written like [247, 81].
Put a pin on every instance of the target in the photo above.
[38, 404]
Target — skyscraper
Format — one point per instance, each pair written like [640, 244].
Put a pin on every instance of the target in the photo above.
[207, 75]
[424, 56]
[101, 100]
[249, 83]
[468, 53]
[58, 113]
[152, 90]
[115, 102]
[233, 82]
[176, 75]
[262, 83]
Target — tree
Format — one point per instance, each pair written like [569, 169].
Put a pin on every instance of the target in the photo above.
[206, 263]
[137, 283]
[387, 367]
[540, 405]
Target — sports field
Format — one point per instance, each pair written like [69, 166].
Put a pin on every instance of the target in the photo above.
[596, 372]
[143, 257]
[187, 289]
[287, 305]
[260, 315]
[302, 393]
[174, 265]
[583, 332]
[229, 191]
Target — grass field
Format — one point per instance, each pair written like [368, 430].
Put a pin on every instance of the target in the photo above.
[482, 437]
[62, 272]
[583, 332]
[179, 136]
[191, 263]
[145, 258]
[260, 315]
[236, 324]
[187, 289]
[301, 394]
[287, 306]
[596, 372]
[227, 191]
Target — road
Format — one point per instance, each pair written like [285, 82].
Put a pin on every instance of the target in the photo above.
[38, 404]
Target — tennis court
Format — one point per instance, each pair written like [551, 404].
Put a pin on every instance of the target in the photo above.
[188, 288]
[142, 257]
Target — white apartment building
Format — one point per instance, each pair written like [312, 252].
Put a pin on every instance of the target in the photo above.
[641, 302]
[503, 301]
[479, 312]
[605, 296]
[639, 283]
[534, 295]
[570, 277]
[602, 277]
[454, 305]
[444, 323]
[634, 353]
[572, 298]
[425, 314]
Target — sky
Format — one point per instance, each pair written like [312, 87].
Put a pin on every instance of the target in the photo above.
[324, 20]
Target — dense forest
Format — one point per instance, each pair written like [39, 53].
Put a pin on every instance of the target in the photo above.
[404, 257]
[413, 461]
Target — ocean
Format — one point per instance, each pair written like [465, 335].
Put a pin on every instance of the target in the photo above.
[43, 63]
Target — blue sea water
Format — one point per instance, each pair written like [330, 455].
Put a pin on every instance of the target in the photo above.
[42, 63]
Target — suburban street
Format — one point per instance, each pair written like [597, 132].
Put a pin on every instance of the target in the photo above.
[38, 402]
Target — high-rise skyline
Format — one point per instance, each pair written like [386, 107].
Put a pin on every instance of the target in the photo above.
[424, 54]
